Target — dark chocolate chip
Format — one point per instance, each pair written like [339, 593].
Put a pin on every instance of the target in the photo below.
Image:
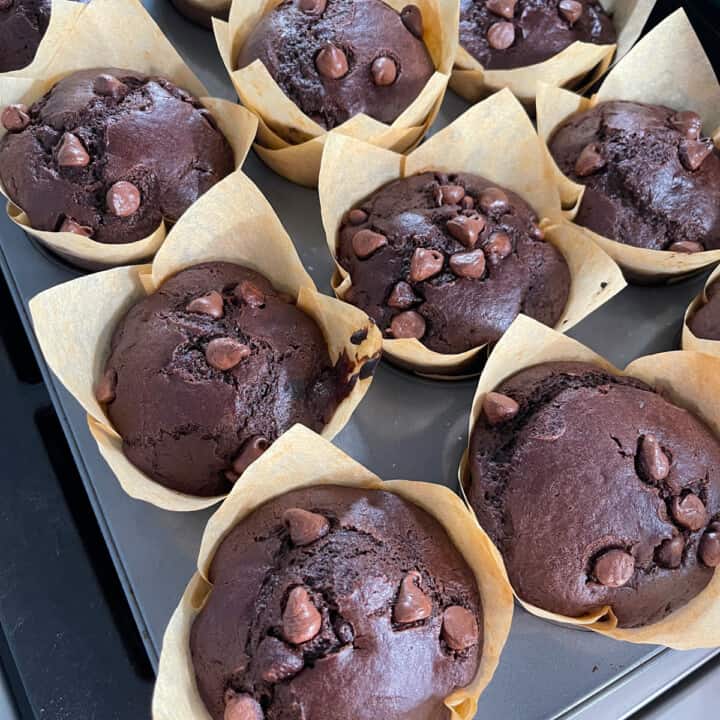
[412, 19]
[499, 408]
[709, 549]
[384, 71]
[105, 389]
[459, 628]
[369, 367]
[412, 603]
[503, 8]
[357, 216]
[366, 242]
[359, 336]
[537, 233]
[451, 194]
[614, 568]
[468, 264]
[425, 263]
[408, 325]
[71, 226]
[689, 512]
[498, 247]
[689, 123]
[15, 118]
[225, 353]
[686, 246]
[467, 203]
[250, 294]
[305, 527]
[402, 296]
[571, 10]
[277, 661]
[123, 199]
[669, 553]
[653, 463]
[110, 86]
[331, 62]
[501, 35]
[589, 161]
[209, 304]
[313, 7]
[242, 707]
[494, 200]
[251, 451]
[301, 619]
[466, 230]
[71, 152]
[693, 153]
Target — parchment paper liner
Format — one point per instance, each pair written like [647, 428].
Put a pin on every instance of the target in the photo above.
[568, 68]
[233, 222]
[302, 459]
[688, 379]
[118, 33]
[689, 340]
[289, 141]
[667, 67]
[494, 139]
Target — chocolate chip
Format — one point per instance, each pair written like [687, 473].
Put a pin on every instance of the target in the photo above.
[498, 247]
[224, 353]
[357, 217]
[242, 707]
[451, 194]
[250, 294]
[251, 451]
[689, 123]
[71, 152]
[359, 336]
[468, 264]
[709, 549]
[15, 118]
[384, 71]
[503, 8]
[571, 10]
[589, 161]
[366, 242]
[689, 512]
[467, 203]
[305, 527]
[693, 153]
[653, 463]
[466, 230]
[499, 408]
[209, 304]
[459, 628]
[277, 661]
[494, 200]
[71, 226]
[408, 324]
[669, 553]
[301, 619]
[402, 296]
[425, 263]
[110, 86]
[537, 233]
[331, 62]
[412, 603]
[123, 199]
[501, 35]
[412, 19]
[105, 389]
[314, 7]
[686, 246]
[614, 568]
[369, 367]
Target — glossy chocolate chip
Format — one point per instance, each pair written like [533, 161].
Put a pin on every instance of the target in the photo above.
[499, 408]
[570, 10]
[459, 628]
[357, 217]
[450, 194]
[277, 661]
[71, 226]
[669, 553]
[105, 389]
[501, 35]
[689, 512]
[466, 230]
[312, 7]
[494, 200]
[251, 451]
[72, 152]
[498, 247]
[412, 603]
[709, 549]
[614, 568]
[402, 296]
[250, 294]
[412, 19]
[123, 199]
[537, 233]
[209, 304]
[301, 619]
[331, 62]
[408, 325]
[689, 123]
[366, 242]
[425, 263]
[15, 118]
[589, 161]
[468, 264]
[693, 153]
[467, 203]
[109, 86]
[384, 71]
[305, 527]
[503, 8]
[653, 463]
[225, 353]
[686, 246]
[242, 707]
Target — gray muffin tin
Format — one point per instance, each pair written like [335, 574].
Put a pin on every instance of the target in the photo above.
[407, 427]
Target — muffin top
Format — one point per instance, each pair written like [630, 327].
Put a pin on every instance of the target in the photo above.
[503, 34]
[206, 372]
[705, 323]
[336, 603]
[23, 24]
[652, 180]
[109, 153]
[338, 58]
[450, 260]
[597, 491]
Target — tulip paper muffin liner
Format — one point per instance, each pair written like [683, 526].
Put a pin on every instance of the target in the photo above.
[667, 67]
[288, 140]
[232, 222]
[303, 459]
[118, 33]
[690, 341]
[568, 68]
[496, 140]
[687, 379]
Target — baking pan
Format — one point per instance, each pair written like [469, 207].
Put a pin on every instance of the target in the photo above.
[407, 427]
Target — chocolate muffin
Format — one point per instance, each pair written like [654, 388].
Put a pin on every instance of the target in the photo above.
[450, 260]
[198, 11]
[705, 323]
[206, 372]
[109, 154]
[597, 491]
[337, 58]
[504, 34]
[23, 24]
[336, 603]
[652, 180]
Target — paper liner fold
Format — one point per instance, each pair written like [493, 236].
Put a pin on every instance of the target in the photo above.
[688, 379]
[302, 459]
[289, 141]
[118, 33]
[496, 140]
[232, 222]
[690, 341]
[579, 63]
[667, 67]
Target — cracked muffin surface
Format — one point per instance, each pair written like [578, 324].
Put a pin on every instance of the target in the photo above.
[207, 371]
[597, 491]
[336, 603]
[450, 260]
[109, 153]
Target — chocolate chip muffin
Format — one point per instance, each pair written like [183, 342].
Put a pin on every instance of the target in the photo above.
[504, 34]
[109, 153]
[23, 24]
[450, 260]
[597, 491]
[202, 12]
[206, 372]
[652, 180]
[705, 323]
[337, 58]
[336, 603]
